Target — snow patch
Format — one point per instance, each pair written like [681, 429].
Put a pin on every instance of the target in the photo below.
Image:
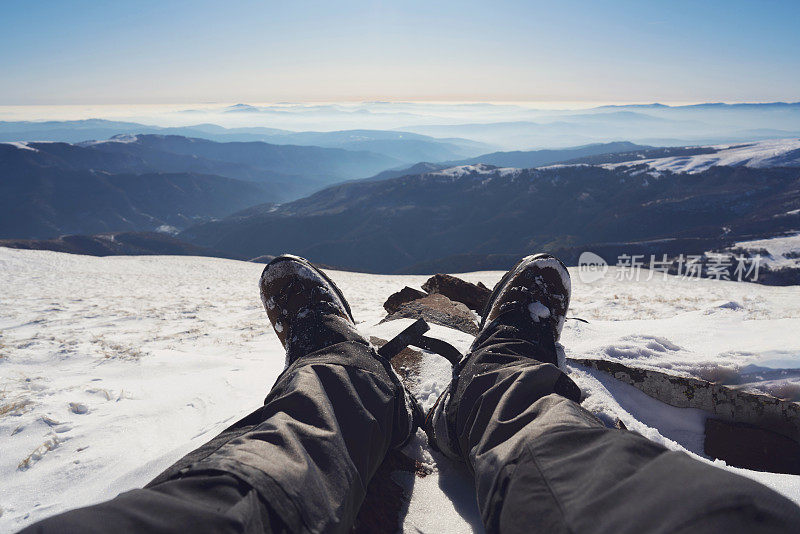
[770, 153]
[168, 229]
[538, 311]
[22, 145]
[783, 251]
[477, 169]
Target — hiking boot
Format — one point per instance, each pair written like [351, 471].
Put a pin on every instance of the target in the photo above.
[536, 290]
[309, 313]
[306, 309]
[526, 310]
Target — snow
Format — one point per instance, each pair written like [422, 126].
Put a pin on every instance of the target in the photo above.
[783, 251]
[790, 213]
[22, 145]
[113, 368]
[538, 311]
[770, 153]
[119, 138]
[477, 169]
[168, 229]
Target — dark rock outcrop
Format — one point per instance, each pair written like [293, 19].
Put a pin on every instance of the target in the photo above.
[751, 447]
[395, 300]
[440, 310]
[472, 295]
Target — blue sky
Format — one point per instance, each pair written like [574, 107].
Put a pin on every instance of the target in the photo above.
[81, 52]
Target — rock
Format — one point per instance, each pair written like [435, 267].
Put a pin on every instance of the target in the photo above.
[440, 310]
[750, 447]
[395, 300]
[473, 296]
[724, 402]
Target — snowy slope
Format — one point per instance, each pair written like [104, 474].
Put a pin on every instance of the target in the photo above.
[770, 153]
[777, 252]
[477, 169]
[112, 368]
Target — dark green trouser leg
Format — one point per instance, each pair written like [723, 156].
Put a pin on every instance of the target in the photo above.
[542, 463]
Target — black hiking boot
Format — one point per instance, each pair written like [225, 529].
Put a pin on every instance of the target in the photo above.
[536, 291]
[309, 313]
[527, 306]
[306, 309]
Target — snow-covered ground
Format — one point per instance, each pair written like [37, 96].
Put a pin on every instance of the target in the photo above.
[781, 252]
[477, 169]
[770, 153]
[112, 368]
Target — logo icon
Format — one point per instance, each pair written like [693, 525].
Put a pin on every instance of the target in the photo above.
[591, 267]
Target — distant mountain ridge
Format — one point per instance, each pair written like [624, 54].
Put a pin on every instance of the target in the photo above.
[49, 189]
[115, 244]
[276, 172]
[318, 165]
[652, 124]
[538, 158]
[403, 146]
[47, 201]
[524, 159]
[397, 224]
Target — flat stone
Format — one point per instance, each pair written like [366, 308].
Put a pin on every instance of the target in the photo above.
[440, 310]
[474, 296]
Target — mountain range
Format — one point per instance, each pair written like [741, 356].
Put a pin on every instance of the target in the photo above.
[525, 158]
[650, 124]
[246, 199]
[413, 132]
[414, 223]
[146, 181]
[43, 195]
[404, 147]
[142, 182]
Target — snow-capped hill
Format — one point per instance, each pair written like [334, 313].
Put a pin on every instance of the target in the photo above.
[778, 252]
[119, 138]
[760, 154]
[22, 145]
[477, 169]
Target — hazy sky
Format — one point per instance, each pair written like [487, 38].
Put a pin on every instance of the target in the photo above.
[57, 52]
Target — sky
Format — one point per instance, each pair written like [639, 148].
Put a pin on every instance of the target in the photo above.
[161, 52]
